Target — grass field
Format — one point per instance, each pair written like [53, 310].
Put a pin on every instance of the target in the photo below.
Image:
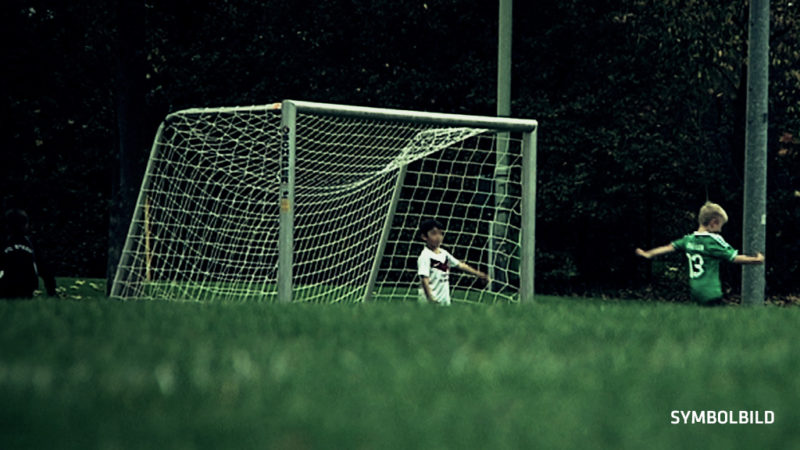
[87, 372]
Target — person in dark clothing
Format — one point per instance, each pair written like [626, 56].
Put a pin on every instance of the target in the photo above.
[20, 267]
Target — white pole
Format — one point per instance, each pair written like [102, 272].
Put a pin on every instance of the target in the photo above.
[286, 231]
[528, 250]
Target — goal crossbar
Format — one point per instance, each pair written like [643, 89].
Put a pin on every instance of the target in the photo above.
[399, 115]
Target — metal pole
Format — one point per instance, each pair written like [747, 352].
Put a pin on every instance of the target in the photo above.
[286, 231]
[399, 115]
[755, 180]
[498, 263]
[528, 251]
[387, 227]
[504, 59]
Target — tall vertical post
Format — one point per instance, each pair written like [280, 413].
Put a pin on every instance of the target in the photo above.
[504, 35]
[528, 251]
[286, 231]
[755, 178]
[499, 226]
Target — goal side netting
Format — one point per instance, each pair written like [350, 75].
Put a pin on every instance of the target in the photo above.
[335, 196]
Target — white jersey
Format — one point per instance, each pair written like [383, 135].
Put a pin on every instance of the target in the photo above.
[436, 266]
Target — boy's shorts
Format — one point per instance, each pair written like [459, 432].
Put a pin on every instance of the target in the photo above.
[423, 299]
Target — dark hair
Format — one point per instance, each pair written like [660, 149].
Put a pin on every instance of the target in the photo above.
[16, 221]
[428, 225]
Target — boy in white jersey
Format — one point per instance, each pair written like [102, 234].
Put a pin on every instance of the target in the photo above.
[434, 263]
[705, 249]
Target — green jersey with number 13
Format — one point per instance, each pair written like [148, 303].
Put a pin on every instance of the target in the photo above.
[705, 251]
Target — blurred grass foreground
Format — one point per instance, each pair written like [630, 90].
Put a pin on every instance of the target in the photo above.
[87, 372]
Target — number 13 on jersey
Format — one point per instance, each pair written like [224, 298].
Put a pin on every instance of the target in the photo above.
[695, 265]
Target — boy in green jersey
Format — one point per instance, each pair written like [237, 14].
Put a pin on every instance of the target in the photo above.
[705, 248]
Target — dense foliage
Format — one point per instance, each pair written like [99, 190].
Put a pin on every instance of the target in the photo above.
[641, 105]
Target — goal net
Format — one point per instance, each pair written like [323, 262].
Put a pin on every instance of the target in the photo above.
[321, 203]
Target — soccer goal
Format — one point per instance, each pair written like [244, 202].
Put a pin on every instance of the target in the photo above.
[302, 201]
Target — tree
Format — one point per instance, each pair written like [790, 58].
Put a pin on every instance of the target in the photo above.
[641, 106]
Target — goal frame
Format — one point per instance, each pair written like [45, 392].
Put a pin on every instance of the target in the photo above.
[291, 108]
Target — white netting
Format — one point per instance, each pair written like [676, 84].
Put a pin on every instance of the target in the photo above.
[457, 186]
[206, 226]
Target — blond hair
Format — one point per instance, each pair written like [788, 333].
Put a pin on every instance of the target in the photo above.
[711, 211]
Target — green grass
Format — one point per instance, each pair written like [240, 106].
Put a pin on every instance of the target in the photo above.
[244, 292]
[88, 372]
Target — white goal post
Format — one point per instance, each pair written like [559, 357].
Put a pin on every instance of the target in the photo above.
[303, 201]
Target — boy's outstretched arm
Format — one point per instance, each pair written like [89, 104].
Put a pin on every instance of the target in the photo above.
[745, 259]
[655, 251]
[467, 268]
